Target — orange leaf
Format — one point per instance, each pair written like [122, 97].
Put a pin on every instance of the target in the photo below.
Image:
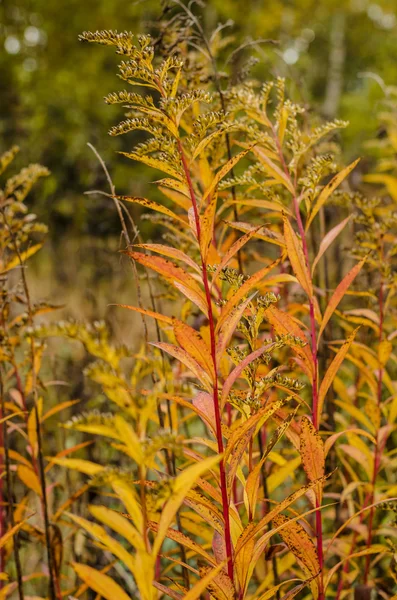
[339, 293]
[297, 257]
[243, 291]
[283, 324]
[328, 239]
[170, 252]
[175, 275]
[185, 358]
[302, 547]
[207, 226]
[226, 331]
[312, 451]
[149, 313]
[192, 343]
[333, 369]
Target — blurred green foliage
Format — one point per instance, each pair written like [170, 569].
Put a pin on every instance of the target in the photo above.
[335, 53]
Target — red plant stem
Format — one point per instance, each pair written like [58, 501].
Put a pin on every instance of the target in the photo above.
[2, 501]
[218, 419]
[314, 349]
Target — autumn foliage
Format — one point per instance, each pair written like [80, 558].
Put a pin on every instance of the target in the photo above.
[250, 444]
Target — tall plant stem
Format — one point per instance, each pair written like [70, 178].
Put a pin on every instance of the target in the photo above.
[218, 418]
[314, 352]
[169, 456]
[54, 584]
[378, 449]
[7, 465]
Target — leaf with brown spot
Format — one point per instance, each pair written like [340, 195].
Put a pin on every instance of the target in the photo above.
[302, 547]
[312, 452]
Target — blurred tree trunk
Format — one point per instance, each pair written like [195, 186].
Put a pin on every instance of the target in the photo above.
[337, 55]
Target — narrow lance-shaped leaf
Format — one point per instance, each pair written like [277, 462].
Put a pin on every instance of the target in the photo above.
[243, 291]
[328, 239]
[224, 171]
[253, 480]
[145, 202]
[333, 369]
[102, 584]
[328, 190]
[273, 169]
[312, 452]
[302, 546]
[202, 585]
[228, 327]
[297, 257]
[175, 275]
[189, 362]
[191, 341]
[236, 247]
[236, 372]
[183, 483]
[170, 252]
[207, 226]
[181, 538]
[339, 293]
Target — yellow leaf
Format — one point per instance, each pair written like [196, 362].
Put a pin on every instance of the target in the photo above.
[207, 226]
[4, 539]
[127, 494]
[328, 190]
[58, 407]
[155, 163]
[15, 262]
[32, 426]
[99, 582]
[153, 206]
[278, 477]
[297, 257]
[78, 464]
[273, 170]
[384, 351]
[128, 436]
[29, 478]
[182, 484]
[332, 371]
[181, 538]
[120, 524]
[99, 533]
[224, 171]
[388, 180]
